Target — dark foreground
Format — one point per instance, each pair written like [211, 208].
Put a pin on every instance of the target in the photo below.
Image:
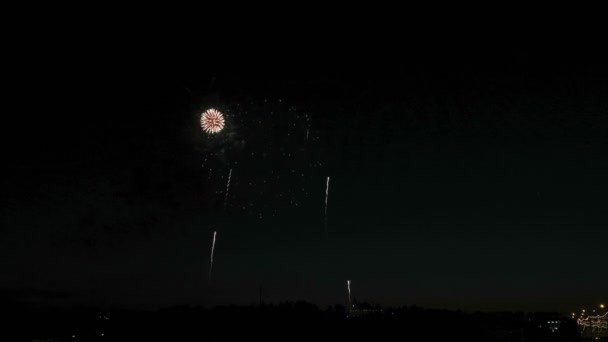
[299, 320]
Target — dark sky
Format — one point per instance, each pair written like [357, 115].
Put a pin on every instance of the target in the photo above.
[460, 178]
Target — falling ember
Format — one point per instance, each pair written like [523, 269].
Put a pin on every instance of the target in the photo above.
[212, 121]
[227, 189]
[212, 250]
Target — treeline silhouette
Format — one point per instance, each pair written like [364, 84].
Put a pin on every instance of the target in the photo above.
[297, 319]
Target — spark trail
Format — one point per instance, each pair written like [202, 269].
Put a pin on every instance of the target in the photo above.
[348, 285]
[227, 189]
[326, 196]
[212, 250]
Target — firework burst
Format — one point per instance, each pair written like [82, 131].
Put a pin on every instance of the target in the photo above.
[212, 121]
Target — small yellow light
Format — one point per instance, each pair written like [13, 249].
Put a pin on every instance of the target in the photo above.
[602, 306]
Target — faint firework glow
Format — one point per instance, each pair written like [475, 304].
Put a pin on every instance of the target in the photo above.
[212, 121]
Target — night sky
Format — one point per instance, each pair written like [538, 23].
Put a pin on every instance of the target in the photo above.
[460, 179]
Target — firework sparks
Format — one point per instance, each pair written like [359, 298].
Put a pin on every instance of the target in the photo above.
[227, 189]
[212, 121]
[212, 250]
[597, 323]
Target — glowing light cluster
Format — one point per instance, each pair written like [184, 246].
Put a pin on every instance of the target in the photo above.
[212, 121]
